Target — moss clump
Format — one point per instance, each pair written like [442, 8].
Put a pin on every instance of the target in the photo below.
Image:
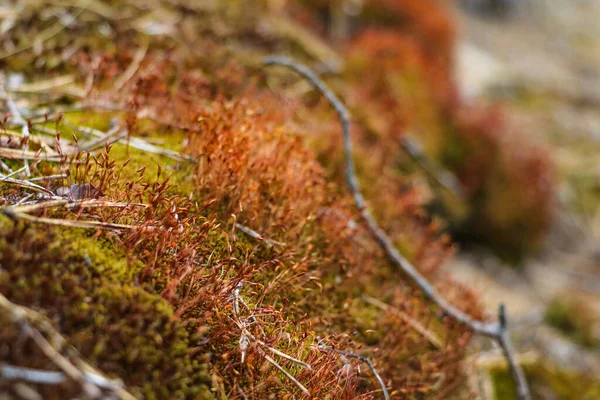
[87, 290]
[572, 316]
[563, 384]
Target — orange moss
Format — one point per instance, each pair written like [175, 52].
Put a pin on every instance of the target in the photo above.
[401, 80]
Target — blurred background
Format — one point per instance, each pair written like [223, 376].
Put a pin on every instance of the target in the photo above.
[541, 60]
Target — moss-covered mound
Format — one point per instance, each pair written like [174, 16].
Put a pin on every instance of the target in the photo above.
[179, 215]
[87, 291]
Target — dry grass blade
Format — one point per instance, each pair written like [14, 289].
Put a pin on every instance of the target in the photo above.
[140, 144]
[432, 337]
[275, 351]
[133, 67]
[72, 204]
[256, 235]
[48, 33]
[17, 172]
[22, 213]
[15, 154]
[43, 86]
[19, 120]
[43, 142]
[27, 185]
[495, 331]
[11, 372]
[5, 167]
[95, 6]
[115, 134]
[287, 374]
[135, 142]
[91, 380]
[66, 222]
[246, 337]
[48, 178]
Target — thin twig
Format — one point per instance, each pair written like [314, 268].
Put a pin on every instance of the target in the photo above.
[386, 394]
[246, 337]
[496, 331]
[19, 120]
[22, 213]
[133, 67]
[28, 185]
[289, 376]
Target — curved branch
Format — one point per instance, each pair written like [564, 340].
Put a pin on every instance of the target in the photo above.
[496, 331]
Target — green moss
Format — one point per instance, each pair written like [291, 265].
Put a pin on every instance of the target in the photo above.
[366, 321]
[571, 316]
[503, 386]
[544, 379]
[87, 290]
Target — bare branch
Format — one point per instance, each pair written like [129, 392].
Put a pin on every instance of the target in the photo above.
[509, 353]
[495, 331]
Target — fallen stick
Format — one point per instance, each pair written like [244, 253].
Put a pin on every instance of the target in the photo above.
[496, 331]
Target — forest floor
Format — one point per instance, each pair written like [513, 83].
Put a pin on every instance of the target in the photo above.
[216, 252]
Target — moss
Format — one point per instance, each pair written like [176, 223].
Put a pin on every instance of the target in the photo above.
[542, 378]
[573, 318]
[87, 290]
